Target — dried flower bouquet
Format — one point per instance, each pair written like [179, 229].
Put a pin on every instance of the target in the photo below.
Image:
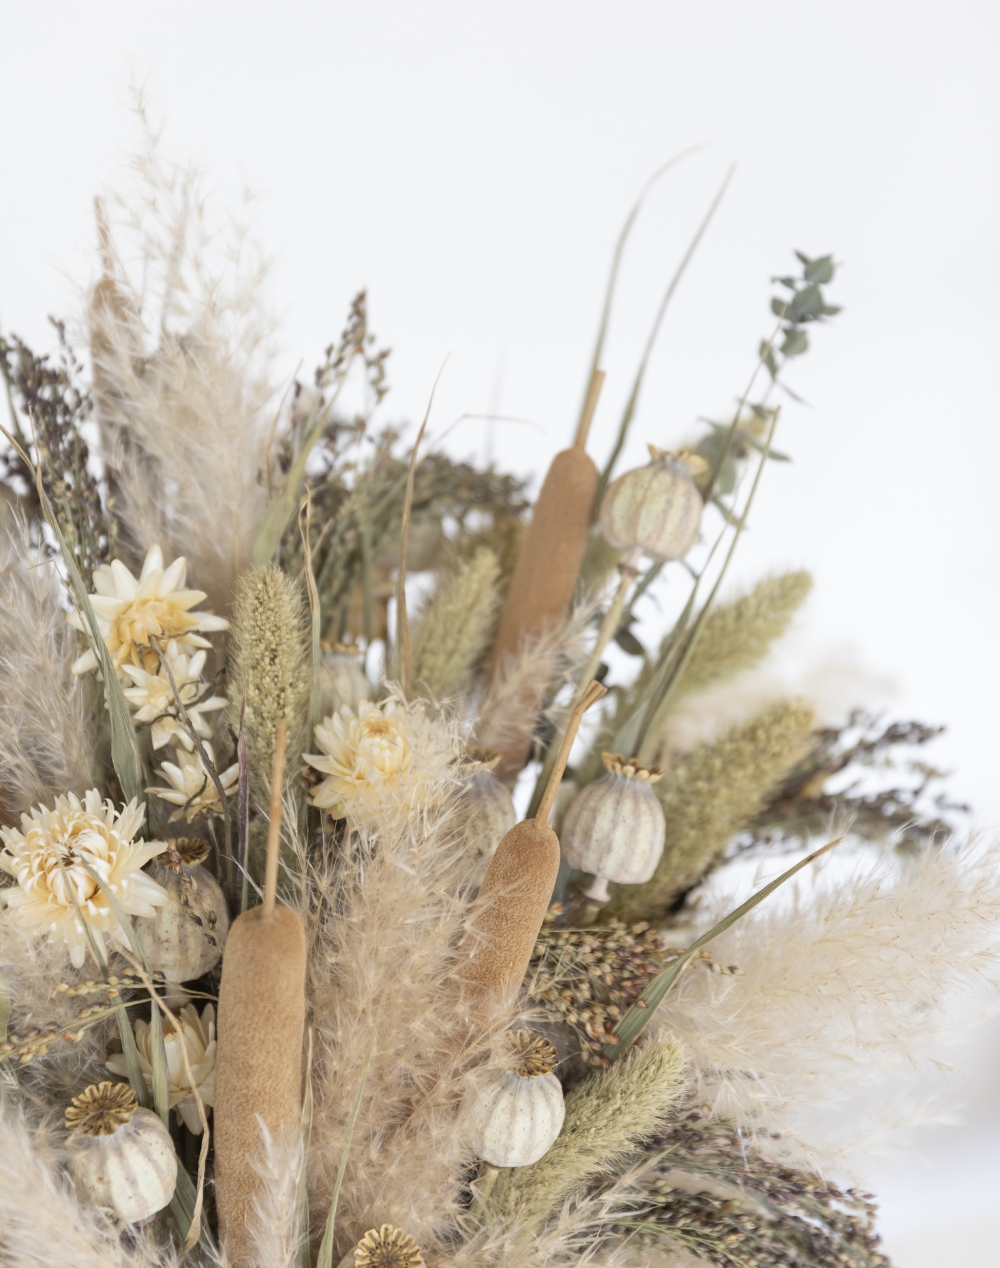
[284, 979]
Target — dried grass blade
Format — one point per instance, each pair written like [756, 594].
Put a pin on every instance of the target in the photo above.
[305, 526]
[403, 655]
[639, 1015]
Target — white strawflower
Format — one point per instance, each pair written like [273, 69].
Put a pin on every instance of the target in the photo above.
[129, 612]
[153, 699]
[192, 789]
[197, 1037]
[49, 857]
[363, 754]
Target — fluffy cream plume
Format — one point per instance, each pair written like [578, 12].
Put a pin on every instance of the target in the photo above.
[384, 1007]
[43, 1221]
[709, 794]
[846, 990]
[456, 626]
[277, 1223]
[181, 378]
[270, 667]
[605, 1118]
[509, 713]
[46, 726]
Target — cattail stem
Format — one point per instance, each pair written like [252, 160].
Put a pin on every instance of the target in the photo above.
[274, 826]
[591, 694]
[589, 409]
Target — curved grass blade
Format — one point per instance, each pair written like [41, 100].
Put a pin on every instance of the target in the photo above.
[640, 1014]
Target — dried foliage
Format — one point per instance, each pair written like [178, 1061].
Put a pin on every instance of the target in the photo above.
[710, 794]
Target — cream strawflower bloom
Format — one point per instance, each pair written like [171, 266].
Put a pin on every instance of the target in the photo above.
[153, 699]
[197, 1037]
[49, 857]
[363, 754]
[191, 788]
[130, 611]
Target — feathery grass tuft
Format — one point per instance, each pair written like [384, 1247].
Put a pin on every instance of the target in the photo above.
[456, 627]
[708, 795]
[270, 666]
[606, 1117]
[46, 728]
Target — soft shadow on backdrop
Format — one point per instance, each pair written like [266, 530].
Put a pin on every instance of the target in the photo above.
[471, 167]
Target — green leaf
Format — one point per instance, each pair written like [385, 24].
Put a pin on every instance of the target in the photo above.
[831, 310]
[640, 1014]
[806, 304]
[158, 1060]
[819, 270]
[804, 258]
[779, 307]
[795, 343]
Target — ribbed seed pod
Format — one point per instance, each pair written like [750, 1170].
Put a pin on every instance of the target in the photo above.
[120, 1155]
[654, 510]
[185, 937]
[615, 829]
[486, 813]
[520, 1111]
[549, 563]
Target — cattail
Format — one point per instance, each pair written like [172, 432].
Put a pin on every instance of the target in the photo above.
[517, 888]
[258, 1065]
[269, 668]
[549, 562]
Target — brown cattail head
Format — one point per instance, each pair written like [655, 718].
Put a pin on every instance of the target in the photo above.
[258, 1066]
[516, 890]
[549, 563]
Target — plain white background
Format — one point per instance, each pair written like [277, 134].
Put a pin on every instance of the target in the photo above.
[471, 165]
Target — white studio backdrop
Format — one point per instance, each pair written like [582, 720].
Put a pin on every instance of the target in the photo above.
[471, 165]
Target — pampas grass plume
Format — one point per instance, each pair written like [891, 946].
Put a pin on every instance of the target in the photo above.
[709, 794]
[456, 626]
[605, 1118]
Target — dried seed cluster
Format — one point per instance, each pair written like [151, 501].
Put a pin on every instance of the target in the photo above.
[618, 764]
[184, 852]
[530, 1055]
[101, 1109]
[387, 1247]
[587, 979]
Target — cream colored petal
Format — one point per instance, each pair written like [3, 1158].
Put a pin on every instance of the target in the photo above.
[84, 664]
[154, 559]
[126, 585]
[173, 577]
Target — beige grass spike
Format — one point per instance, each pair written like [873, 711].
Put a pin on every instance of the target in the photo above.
[258, 1068]
[516, 890]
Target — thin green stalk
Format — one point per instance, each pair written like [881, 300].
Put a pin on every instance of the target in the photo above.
[640, 1014]
[616, 263]
[664, 304]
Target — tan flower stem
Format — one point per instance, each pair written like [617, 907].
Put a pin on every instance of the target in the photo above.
[274, 824]
[609, 627]
[481, 1193]
[404, 654]
[206, 761]
[590, 695]
[597, 378]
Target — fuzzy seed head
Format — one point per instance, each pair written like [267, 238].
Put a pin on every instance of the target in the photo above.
[530, 1055]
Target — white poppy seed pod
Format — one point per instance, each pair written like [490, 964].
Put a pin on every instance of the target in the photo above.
[486, 813]
[520, 1110]
[654, 510]
[120, 1156]
[342, 679]
[615, 829]
[184, 939]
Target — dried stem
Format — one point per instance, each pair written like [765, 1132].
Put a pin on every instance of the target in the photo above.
[589, 408]
[592, 693]
[274, 826]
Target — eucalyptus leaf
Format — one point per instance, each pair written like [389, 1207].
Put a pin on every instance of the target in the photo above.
[820, 270]
[795, 343]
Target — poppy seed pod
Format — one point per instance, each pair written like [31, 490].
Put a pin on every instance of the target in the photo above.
[184, 938]
[615, 829]
[654, 510]
[520, 1111]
